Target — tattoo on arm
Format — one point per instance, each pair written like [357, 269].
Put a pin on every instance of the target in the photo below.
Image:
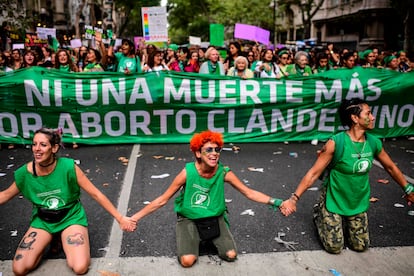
[76, 239]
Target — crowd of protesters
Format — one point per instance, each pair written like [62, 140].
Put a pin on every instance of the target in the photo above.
[244, 61]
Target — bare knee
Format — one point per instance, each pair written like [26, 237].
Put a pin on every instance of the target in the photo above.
[80, 268]
[21, 267]
[187, 260]
[20, 270]
[231, 255]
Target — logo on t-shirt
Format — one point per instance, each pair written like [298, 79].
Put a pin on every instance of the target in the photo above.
[200, 200]
[361, 166]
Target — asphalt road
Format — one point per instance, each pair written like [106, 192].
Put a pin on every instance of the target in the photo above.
[389, 225]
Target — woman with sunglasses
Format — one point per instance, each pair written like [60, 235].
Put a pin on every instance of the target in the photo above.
[200, 205]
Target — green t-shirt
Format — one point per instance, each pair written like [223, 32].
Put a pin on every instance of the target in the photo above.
[295, 70]
[133, 64]
[348, 189]
[202, 197]
[57, 190]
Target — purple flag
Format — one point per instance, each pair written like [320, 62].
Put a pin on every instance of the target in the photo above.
[251, 32]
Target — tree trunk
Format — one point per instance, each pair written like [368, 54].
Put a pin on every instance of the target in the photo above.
[77, 18]
[407, 34]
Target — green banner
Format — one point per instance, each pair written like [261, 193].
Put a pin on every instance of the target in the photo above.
[108, 108]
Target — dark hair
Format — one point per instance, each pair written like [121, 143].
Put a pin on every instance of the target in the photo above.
[24, 65]
[348, 108]
[97, 54]
[131, 45]
[55, 135]
[151, 57]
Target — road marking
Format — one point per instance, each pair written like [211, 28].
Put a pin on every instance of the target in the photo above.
[115, 238]
[378, 164]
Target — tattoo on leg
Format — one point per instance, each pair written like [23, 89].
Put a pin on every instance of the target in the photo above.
[76, 239]
[27, 242]
[18, 257]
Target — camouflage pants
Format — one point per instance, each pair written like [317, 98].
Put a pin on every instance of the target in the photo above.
[331, 228]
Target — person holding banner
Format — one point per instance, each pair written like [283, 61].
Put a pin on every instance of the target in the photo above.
[233, 52]
[284, 57]
[213, 65]
[345, 194]
[267, 67]
[64, 62]
[240, 69]
[200, 205]
[52, 184]
[93, 57]
[300, 66]
[128, 62]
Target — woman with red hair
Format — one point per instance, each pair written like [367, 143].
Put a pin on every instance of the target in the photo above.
[200, 206]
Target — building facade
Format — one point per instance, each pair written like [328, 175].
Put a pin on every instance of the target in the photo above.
[354, 24]
[357, 24]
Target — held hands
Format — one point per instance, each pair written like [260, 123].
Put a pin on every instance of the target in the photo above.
[288, 207]
[127, 224]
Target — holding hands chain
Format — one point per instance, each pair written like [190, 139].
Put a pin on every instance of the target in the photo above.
[127, 224]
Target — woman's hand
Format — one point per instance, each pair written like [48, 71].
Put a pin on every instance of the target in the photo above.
[288, 207]
[127, 224]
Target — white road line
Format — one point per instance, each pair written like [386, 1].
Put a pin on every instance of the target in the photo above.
[115, 239]
[378, 164]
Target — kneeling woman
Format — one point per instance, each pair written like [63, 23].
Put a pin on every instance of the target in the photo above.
[200, 206]
[53, 185]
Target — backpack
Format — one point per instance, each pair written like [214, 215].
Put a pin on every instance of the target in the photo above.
[339, 151]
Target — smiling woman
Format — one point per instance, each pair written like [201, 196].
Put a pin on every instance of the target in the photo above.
[200, 205]
[52, 184]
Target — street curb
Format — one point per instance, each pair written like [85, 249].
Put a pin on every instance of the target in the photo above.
[376, 261]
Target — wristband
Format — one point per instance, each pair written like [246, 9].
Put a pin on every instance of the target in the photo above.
[275, 202]
[295, 196]
[409, 188]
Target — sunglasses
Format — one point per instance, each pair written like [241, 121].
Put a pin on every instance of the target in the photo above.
[211, 149]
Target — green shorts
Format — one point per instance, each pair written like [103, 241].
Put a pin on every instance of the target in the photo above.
[75, 216]
[188, 240]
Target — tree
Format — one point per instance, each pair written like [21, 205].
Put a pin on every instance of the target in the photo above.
[308, 10]
[192, 17]
[131, 23]
[14, 14]
[405, 9]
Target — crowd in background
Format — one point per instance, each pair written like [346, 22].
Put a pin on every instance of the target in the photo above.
[244, 61]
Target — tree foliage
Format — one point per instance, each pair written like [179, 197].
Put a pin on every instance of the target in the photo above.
[131, 24]
[14, 14]
[192, 17]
